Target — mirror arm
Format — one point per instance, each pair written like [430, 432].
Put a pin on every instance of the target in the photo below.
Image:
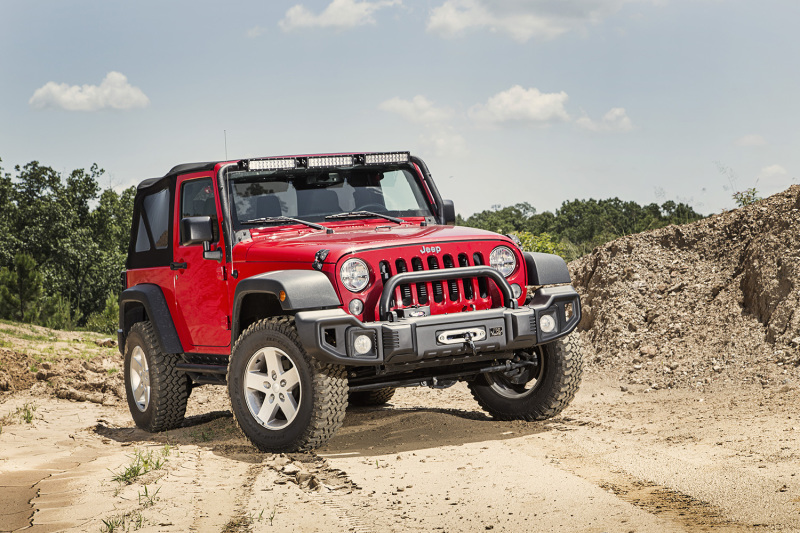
[208, 254]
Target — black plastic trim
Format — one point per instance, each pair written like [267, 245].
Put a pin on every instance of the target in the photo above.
[546, 269]
[155, 305]
[304, 289]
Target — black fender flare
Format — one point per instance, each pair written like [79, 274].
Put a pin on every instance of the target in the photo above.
[546, 269]
[302, 289]
[152, 299]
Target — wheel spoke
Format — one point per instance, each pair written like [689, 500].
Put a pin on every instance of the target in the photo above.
[292, 378]
[273, 361]
[140, 394]
[255, 381]
[289, 407]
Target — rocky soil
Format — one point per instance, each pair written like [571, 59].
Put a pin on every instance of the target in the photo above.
[685, 306]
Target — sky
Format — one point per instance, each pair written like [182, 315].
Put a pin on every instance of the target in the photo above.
[538, 101]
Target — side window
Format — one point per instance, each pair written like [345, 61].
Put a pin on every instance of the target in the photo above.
[197, 199]
[156, 209]
[142, 242]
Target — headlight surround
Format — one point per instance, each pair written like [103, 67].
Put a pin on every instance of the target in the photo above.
[503, 260]
[354, 275]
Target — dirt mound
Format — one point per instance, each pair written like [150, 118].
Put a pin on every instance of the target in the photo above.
[686, 305]
[80, 366]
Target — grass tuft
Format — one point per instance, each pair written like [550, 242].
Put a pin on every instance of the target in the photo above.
[142, 463]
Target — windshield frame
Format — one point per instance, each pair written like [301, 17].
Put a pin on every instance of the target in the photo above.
[421, 192]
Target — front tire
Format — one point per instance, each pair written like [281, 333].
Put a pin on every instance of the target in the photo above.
[282, 399]
[535, 392]
[156, 392]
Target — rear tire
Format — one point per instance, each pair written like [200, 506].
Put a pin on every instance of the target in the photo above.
[283, 400]
[156, 392]
[535, 393]
[372, 397]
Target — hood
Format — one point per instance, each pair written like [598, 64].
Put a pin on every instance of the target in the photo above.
[301, 245]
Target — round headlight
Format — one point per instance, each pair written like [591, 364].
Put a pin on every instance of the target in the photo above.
[503, 259]
[354, 275]
[547, 323]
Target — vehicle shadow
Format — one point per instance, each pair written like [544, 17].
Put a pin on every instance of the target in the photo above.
[383, 430]
[367, 431]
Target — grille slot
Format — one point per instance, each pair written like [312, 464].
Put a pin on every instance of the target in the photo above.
[422, 289]
[405, 290]
[469, 289]
[438, 291]
[483, 283]
[452, 284]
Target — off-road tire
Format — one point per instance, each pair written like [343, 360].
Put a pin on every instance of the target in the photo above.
[372, 397]
[558, 381]
[323, 390]
[169, 388]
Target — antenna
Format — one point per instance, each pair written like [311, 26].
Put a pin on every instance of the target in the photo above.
[225, 134]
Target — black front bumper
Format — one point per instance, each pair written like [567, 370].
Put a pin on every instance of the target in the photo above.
[329, 335]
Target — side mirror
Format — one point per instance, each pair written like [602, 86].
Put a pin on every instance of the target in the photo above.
[449, 212]
[196, 230]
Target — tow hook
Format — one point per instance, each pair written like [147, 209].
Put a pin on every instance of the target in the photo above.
[469, 342]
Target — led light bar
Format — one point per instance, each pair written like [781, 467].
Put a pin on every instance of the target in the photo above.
[330, 161]
[393, 157]
[271, 164]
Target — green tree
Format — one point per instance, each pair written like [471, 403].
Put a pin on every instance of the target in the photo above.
[20, 290]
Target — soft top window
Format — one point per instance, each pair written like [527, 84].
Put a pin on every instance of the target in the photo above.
[151, 238]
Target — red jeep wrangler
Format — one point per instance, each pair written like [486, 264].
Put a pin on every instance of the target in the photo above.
[306, 282]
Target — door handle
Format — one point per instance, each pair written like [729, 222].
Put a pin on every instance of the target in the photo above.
[177, 266]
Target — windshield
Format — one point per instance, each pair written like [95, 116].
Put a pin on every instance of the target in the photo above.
[311, 195]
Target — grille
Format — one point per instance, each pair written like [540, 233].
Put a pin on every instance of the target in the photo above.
[442, 296]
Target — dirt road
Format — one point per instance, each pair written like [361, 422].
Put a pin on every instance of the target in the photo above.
[721, 459]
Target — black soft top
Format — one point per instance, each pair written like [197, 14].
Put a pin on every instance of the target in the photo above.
[186, 168]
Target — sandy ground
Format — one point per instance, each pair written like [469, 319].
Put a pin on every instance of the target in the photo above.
[724, 459]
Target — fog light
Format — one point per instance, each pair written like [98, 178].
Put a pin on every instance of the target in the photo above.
[516, 290]
[362, 344]
[547, 323]
[356, 307]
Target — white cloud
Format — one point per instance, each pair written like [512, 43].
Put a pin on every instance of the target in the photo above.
[114, 92]
[255, 31]
[751, 140]
[443, 141]
[419, 110]
[615, 120]
[773, 179]
[340, 14]
[521, 106]
[521, 19]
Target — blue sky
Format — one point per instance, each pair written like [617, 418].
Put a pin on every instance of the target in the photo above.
[519, 100]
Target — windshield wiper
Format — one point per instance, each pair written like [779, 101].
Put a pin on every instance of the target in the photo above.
[362, 214]
[275, 220]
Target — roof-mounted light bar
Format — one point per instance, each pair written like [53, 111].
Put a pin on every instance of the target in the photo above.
[391, 157]
[330, 161]
[271, 164]
[320, 161]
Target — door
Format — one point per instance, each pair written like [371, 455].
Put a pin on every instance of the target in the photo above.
[201, 285]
